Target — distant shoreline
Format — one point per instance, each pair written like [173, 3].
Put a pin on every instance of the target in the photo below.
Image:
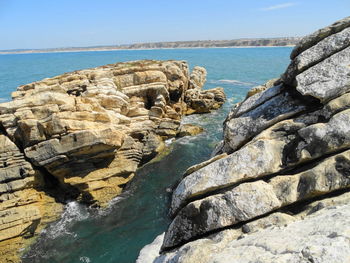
[39, 51]
[236, 43]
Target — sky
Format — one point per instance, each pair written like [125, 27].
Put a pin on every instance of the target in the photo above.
[27, 24]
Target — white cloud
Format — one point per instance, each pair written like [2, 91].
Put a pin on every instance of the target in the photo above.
[280, 6]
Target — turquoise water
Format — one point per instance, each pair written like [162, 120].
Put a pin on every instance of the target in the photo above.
[136, 217]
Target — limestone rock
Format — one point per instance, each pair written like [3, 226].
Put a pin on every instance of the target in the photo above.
[83, 134]
[197, 78]
[202, 101]
[319, 236]
[250, 200]
[328, 79]
[322, 50]
[238, 131]
[309, 41]
[261, 88]
[189, 130]
[151, 251]
[24, 208]
[280, 193]
[196, 167]
[279, 148]
[77, 125]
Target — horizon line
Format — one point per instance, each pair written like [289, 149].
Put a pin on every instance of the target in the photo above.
[125, 46]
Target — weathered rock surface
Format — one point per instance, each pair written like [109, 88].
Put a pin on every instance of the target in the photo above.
[312, 39]
[287, 156]
[316, 234]
[82, 135]
[261, 88]
[24, 207]
[202, 101]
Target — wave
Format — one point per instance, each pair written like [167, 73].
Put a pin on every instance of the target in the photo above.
[233, 82]
[73, 212]
[169, 141]
[85, 259]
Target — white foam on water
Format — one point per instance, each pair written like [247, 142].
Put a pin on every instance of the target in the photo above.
[73, 212]
[169, 141]
[188, 139]
[233, 82]
[111, 204]
[85, 259]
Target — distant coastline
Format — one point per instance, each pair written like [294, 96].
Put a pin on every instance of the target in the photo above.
[236, 43]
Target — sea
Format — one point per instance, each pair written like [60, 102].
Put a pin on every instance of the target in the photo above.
[132, 220]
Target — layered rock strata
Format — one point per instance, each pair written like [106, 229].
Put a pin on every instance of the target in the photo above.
[82, 135]
[285, 155]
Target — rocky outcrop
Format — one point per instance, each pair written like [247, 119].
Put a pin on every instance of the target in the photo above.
[24, 207]
[318, 233]
[82, 135]
[202, 101]
[285, 155]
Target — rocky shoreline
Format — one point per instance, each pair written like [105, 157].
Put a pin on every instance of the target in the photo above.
[278, 189]
[248, 42]
[82, 135]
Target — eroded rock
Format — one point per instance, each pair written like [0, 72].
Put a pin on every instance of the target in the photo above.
[287, 167]
[84, 134]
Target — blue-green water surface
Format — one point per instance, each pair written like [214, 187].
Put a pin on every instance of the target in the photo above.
[136, 217]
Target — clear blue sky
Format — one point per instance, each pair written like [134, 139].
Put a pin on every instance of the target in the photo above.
[63, 23]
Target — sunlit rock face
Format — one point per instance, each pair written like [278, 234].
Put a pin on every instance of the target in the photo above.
[280, 190]
[82, 135]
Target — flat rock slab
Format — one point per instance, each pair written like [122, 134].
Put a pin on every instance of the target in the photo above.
[250, 200]
[328, 79]
[320, 237]
[322, 50]
[319, 35]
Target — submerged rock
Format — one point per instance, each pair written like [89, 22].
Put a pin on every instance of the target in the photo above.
[189, 130]
[281, 193]
[82, 135]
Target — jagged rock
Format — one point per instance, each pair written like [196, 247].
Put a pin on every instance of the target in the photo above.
[75, 125]
[286, 146]
[202, 101]
[24, 208]
[82, 135]
[197, 78]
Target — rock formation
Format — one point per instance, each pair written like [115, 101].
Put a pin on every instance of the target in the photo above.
[279, 191]
[82, 135]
